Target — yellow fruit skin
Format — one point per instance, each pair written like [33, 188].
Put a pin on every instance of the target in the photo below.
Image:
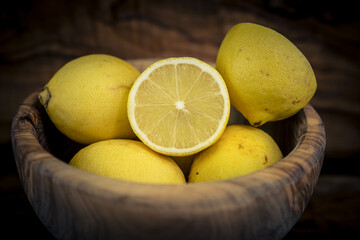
[240, 150]
[267, 76]
[128, 160]
[87, 98]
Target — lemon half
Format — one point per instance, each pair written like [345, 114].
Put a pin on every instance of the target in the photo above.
[179, 106]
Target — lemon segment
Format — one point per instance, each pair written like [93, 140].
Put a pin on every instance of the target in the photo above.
[179, 106]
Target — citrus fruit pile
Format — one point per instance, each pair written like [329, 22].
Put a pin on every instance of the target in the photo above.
[168, 124]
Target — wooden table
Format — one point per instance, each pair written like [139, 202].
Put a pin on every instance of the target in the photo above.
[37, 38]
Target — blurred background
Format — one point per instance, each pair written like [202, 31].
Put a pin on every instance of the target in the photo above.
[37, 37]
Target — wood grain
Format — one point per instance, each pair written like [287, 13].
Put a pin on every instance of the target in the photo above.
[74, 204]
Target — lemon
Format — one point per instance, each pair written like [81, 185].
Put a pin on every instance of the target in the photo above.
[241, 150]
[179, 106]
[268, 78]
[87, 98]
[127, 160]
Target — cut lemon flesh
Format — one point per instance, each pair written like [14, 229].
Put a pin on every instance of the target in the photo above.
[179, 106]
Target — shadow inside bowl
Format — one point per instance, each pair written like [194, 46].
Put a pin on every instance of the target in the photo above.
[52, 140]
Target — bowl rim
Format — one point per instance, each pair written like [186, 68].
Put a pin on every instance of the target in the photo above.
[306, 157]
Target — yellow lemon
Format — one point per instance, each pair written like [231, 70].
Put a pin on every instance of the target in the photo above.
[240, 150]
[87, 98]
[179, 106]
[128, 160]
[267, 76]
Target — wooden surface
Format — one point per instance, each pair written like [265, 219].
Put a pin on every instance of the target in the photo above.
[38, 37]
[265, 204]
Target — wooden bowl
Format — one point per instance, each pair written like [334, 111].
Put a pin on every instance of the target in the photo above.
[74, 204]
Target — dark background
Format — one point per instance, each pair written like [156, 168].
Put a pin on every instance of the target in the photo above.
[37, 37]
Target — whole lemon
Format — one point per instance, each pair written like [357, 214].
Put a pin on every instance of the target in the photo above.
[267, 76]
[241, 150]
[87, 98]
[127, 160]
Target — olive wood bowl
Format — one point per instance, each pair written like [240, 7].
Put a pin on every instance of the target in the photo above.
[74, 204]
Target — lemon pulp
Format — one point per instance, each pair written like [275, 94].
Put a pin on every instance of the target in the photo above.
[179, 106]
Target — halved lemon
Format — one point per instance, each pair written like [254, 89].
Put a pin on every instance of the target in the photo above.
[179, 106]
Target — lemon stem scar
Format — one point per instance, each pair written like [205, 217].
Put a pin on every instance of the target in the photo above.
[45, 97]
